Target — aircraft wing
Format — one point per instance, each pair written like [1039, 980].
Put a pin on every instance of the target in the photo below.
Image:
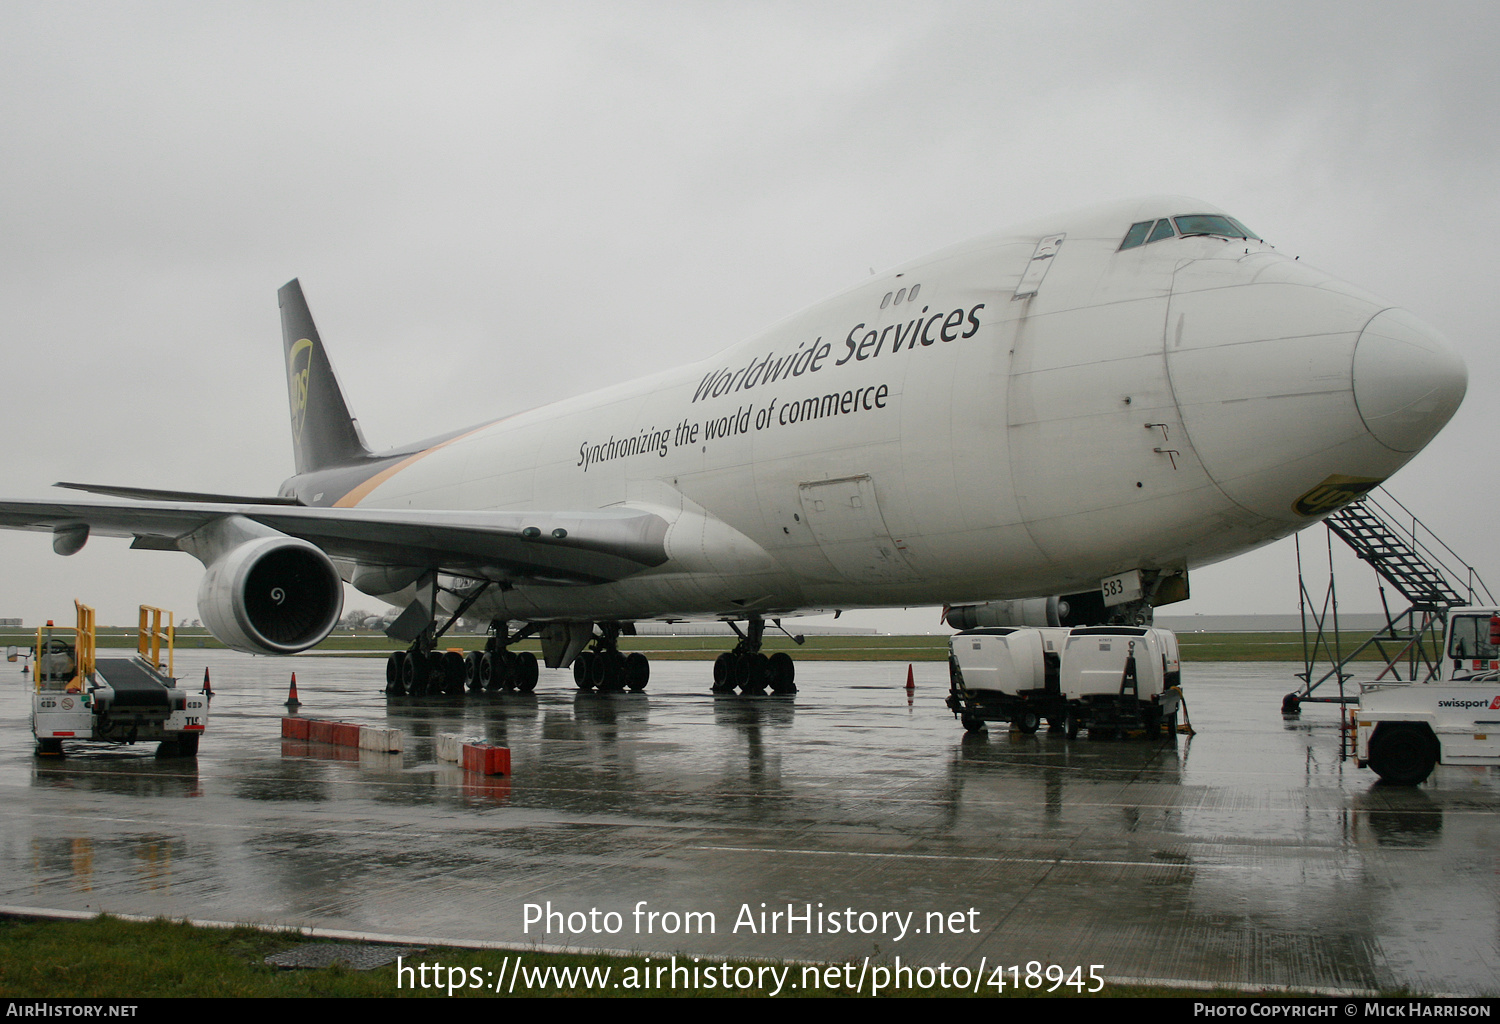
[559, 547]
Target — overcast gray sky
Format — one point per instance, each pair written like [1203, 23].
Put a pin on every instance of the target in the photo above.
[495, 205]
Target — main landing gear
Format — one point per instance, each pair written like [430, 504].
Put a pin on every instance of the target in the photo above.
[749, 670]
[604, 668]
[422, 670]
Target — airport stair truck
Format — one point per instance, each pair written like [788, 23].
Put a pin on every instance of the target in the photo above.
[1006, 674]
[1404, 729]
[1121, 678]
[79, 696]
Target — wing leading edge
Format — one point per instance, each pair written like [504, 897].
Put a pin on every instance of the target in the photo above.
[556, 547]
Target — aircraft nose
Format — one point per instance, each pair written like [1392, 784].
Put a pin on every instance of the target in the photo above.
[1408, 381]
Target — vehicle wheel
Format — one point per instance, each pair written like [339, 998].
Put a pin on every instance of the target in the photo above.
[1028, 722]
[414, 673]
[973, 723]
[751, 673]
[1072, 725]
[783, 672]
[187, 745]
[1403, 753]
[453, 672]
[583, 670]
[724, 673]
[609, 672]
[526, 672]
[394, 666]
[1170, 724]
[1153, 723]
[637, 671]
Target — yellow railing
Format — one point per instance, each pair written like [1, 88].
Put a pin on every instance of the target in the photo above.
[61, 665]
[149, 639]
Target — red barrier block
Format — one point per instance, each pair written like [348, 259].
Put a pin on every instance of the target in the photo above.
[345, 734]
[319, 732]
[486, 759]
[294, 728]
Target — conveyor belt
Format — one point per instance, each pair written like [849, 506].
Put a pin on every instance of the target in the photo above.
[135, 685]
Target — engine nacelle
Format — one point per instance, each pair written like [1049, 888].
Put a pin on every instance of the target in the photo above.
[271, 595]
[1085, 609]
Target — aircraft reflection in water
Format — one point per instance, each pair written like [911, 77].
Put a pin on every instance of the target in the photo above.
[1069, 415]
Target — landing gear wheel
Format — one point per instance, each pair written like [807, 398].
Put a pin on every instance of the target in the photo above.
[472, 677]
[1403, 753]
[583, 670]
[1028, 722]
[527, 672]
[505, 671]
[724, 673]
[453, 673]
[973, 723]
[637, 671]
[393, 674]
[414, 673]
[750, 673]
[783, 673]
[487, 671]
[609, 671]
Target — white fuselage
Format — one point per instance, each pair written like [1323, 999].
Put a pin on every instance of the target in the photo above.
[1159, 407]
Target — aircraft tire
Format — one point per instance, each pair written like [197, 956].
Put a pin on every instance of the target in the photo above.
[505, 671]
[472, 677]
[487, 671]
[637, 671]
[394, 667]
[583, 670]
[414, 673]
[724, 673]
[783, 673]
[527, 672]
[453, 673]
[1028, 722]
[751, 673]
[1403, 753]
[609, 672]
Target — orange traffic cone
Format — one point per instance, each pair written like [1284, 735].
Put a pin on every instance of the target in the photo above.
[208, 689]
[291, 700]
[911, 682]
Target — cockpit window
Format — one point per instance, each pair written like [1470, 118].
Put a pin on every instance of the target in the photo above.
[1212, 224]
[1143, 232]
[1163, 230]
[1136, 235]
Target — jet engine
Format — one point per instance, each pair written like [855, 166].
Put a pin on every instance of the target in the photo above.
[271, 595]
[1084, 609]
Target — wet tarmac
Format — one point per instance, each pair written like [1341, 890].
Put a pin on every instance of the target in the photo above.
[1252, 853]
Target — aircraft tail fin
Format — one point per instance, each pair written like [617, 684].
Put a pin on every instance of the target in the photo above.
[324, 434]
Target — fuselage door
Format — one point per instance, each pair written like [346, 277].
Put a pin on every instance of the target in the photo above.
[846, 520]
[1031, 280]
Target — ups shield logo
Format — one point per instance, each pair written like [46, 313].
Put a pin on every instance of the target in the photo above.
[1333, 493]
[298, 366]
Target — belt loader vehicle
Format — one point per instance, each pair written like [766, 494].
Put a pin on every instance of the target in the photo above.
[79, 696]
[1404, 730]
